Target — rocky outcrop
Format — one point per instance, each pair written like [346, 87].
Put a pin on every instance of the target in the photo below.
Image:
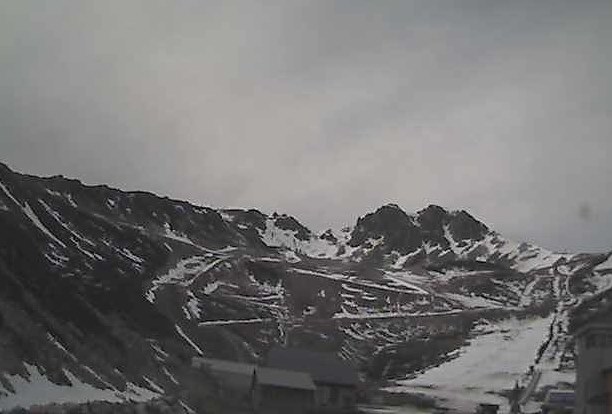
[286, 222]
[122, 288]
[391, 223]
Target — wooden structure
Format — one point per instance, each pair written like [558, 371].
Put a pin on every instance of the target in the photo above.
[336, 380]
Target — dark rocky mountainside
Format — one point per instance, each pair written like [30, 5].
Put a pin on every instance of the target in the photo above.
[111, 293]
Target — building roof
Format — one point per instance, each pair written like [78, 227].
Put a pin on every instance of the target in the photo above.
[323, 367]
[224, 366]
[265, 375]
[285, 379]
[560, 397]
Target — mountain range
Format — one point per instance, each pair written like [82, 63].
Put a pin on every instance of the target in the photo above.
[107, 294]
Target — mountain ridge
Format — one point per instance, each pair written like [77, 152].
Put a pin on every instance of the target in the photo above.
[117, 290]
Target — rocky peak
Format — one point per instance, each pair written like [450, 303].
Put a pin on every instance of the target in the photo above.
[432, 220]
[329, 236]
[392, 223]
[432, 212]
[286, 222]
[464, 226]
[251, 218]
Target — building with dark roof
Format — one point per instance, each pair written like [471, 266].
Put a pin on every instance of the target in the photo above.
[261, 389]
[291, 381]
[336, 380]
[235, 379]
[280, 391]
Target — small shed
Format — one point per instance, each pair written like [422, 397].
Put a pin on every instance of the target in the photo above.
[280, 391]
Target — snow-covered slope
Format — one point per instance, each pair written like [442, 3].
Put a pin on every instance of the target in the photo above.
[109, 292]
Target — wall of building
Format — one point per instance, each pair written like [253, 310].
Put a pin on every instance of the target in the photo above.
[594, 348]
[331, 398]
[609, 390]
[276, 400]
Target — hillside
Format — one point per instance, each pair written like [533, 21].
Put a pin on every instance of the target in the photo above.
[106, 295]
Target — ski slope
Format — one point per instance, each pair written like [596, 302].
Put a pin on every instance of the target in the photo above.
[489, 364]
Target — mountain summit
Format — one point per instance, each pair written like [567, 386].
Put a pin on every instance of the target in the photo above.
[111, 293]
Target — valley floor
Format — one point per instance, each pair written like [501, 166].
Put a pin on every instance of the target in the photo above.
[490, 364]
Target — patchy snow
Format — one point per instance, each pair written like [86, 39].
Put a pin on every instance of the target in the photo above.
[193, 305]
[607, 265]
[391, 315]
[601, 281]
[159, 350]
[53, 193]
[184, 273]
[56, 259]
[291, 257]
[9, 195]
[233, 322]
[335, 276]
[351, 288]
[32, 216]
[316, 247]
[188, 340]
[37, 389]
[169, 375]
[401, 261]
[27, 210]
[171, 234]
[269, 259]
[488, 365]
[75, 237]
[211, 287]
[473, 301]
[526, 296]
[153, 385]
[127, 253]
[451, 240]
[187, 408]
[405, 279]
[225, 216]
[363, 282]
[55, 342]
[71, 200]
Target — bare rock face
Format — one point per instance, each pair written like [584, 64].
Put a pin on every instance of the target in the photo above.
[405, 233]
[432, 221]
[391, 223]
[463, 226]
[285, 222]
[119, 290]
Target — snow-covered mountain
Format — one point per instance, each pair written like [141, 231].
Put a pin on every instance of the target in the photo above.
[112, 292]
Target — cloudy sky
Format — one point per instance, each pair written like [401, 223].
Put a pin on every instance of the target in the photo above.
[324, 109]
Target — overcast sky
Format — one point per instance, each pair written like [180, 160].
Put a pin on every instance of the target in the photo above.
[324, 109]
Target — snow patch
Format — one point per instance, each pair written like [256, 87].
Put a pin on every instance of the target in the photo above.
[489, 364]
[37, 389]
[188, 340]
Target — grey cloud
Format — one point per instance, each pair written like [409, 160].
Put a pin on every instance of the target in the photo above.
[324, 110]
